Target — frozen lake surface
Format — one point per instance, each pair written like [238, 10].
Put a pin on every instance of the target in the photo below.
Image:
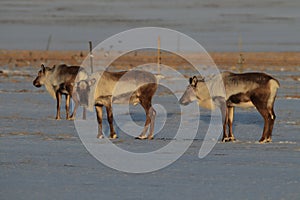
[41, 158]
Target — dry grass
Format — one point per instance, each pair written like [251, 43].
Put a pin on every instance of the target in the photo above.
[277, 61]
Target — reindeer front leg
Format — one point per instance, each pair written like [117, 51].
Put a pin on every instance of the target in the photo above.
[68, 99]
[58, 101]
[221, 103]
[110, 119]
[99, 119]
[225, 121]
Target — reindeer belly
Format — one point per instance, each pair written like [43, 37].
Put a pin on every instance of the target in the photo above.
[240, 100]
[248, 104]
[130, 97]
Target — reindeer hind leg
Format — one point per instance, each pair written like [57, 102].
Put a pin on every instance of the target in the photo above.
[273, 90]
[230, 122]
[152, 114]
[272, 120]
[76, 102]
[261, 106]
[146, 106]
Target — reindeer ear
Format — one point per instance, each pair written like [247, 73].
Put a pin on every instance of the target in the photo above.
[201, 79]
[43, 68]
[53, 67]
[92, 82]
[193, 81]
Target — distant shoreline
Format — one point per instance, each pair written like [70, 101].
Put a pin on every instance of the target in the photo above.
[278, 61]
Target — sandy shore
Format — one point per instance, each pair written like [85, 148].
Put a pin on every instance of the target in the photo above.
[277, 61]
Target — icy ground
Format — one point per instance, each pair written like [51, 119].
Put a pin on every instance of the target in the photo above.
[41, 158]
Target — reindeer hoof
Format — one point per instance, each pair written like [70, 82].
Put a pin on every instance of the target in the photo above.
[57, 118]
[150, 137]
[71, 118]
[262, 141]
[100, 136]
[231, 139]
[141, 137]
[113, 136]
[225, 139]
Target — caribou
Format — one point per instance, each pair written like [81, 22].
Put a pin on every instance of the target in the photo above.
[58, 81]
[251, 89]
[123, 87]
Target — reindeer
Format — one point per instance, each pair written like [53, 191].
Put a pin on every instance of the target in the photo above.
[124, 87]
[59, 80]
[241, 90]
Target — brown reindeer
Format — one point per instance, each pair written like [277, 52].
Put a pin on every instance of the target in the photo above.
[241, 90]
[59, 80]
[125, 87]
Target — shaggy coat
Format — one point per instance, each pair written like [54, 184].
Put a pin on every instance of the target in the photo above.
[125, 87]
[228, 90]
[58, 81]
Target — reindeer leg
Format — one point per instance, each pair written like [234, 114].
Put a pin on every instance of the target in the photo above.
[84, 113]
[265, 134]
[68, 99]
[58, 100]
[76, 101]
[99, 119]
[224, 112]
[225, 121]
[272, 120]
[222, 104]
[263, 110]
[146, 106]
[270, 106]
[110, 119]
[230, 121]
[152, 113]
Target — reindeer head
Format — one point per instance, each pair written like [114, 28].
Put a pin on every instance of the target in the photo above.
[83, 88]
[190, 92]
[41, 77]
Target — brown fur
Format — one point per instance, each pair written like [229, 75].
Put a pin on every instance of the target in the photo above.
[241, 90]
[121, 87]
[59, 80]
